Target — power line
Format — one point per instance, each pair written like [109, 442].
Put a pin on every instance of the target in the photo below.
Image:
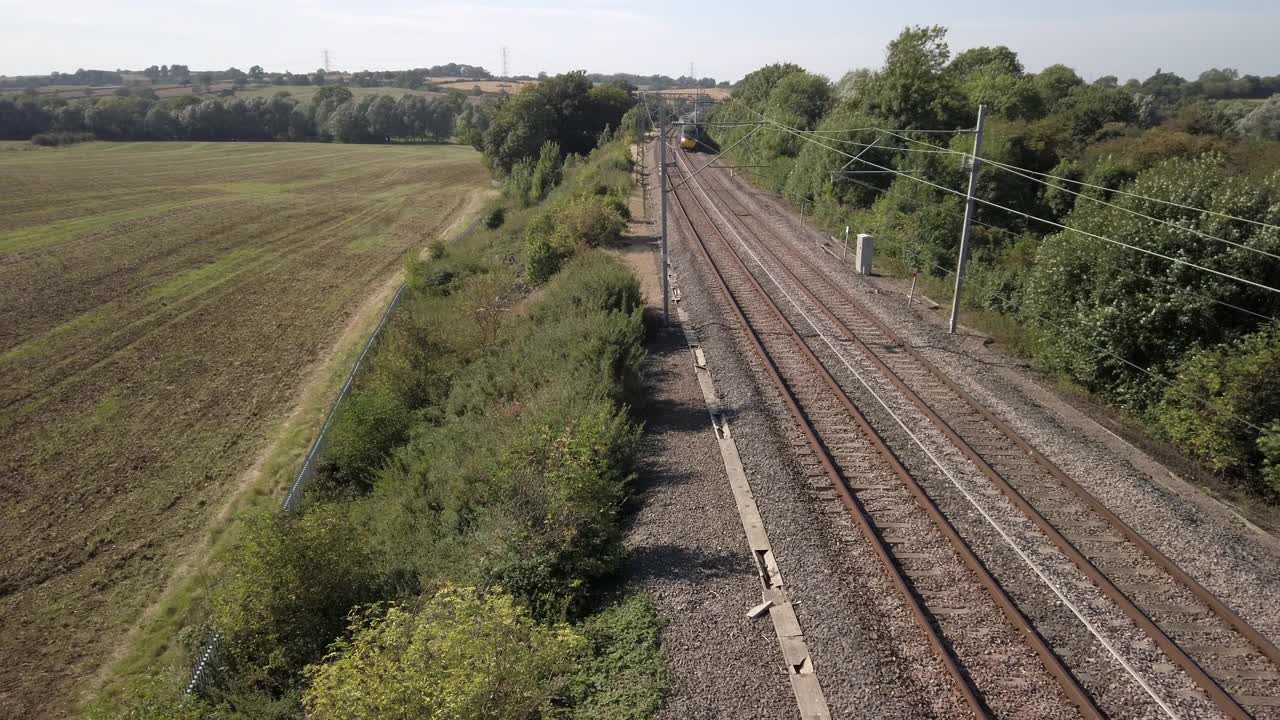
[1141, 197]
[947, 472]
[947, 272]
[935, 151]
[1206, 403]
[1018, 212]
[1027, 173]
[717, 157]
[1104, 261]
[1206, 236]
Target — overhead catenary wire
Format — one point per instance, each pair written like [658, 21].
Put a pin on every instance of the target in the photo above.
[1019, 212]
[947, 272]
[1108, 263]
[1140, 196]
[717, 157]
[1027, 174]
[1031, 175]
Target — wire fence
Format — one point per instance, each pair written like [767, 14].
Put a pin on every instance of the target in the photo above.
[201, 671]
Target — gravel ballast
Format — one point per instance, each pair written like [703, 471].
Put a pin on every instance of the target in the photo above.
[1230, 557]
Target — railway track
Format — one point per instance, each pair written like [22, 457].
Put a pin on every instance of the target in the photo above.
[1235, 670]
[1237, 667]
[980, 639]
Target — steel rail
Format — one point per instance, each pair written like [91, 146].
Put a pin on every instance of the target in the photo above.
[848, 499]
[1020, 624]
[1048, 658]
[1216, 693]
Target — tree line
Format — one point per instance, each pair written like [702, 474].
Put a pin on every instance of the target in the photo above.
[182, 75]
[332, 113]
[658, 82]
[1192, 353]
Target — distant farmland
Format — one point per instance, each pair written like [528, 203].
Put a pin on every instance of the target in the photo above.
[160, 307]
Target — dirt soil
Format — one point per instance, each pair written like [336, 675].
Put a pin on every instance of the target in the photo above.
[161, 305]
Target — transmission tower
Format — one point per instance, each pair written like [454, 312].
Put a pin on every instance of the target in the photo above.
[506, 62]
[324, 60]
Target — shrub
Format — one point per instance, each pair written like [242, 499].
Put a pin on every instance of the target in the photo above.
[563, 478]
[294, 580]
[546, 174]
[438, 249]
[463, 655]
[519, 182]
[61, 138]
[1269, 449]
[625, 677]
[589, 221]
[371, 422]
[540, 261]
[1099, 309]
[1214, 386]
[494, 218]
[597, 282]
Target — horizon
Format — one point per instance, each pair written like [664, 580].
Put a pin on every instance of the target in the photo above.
[1093, 38]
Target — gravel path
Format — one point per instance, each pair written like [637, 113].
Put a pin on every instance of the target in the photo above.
[687, 548]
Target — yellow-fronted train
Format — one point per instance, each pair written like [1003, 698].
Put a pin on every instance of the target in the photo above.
[690, 136]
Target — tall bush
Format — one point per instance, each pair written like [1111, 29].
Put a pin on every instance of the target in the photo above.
[463, 655]
[1214, 387]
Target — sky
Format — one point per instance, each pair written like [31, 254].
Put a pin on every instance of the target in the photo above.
[724, 39]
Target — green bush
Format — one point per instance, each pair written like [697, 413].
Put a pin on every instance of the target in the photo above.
[464, 655]
[564, 477]
[587, 328]
[518, 185]
[567, 226]
[294, 580]
[1213, 387]
[1099, 309]
[625, 676]
[589, 221]
[540, 260]
[521, 481]
[546, 173]
[61, 138]
[1269, 449]
[495, 217]
[371, 422]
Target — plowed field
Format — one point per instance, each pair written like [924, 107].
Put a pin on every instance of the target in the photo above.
[160, 305]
